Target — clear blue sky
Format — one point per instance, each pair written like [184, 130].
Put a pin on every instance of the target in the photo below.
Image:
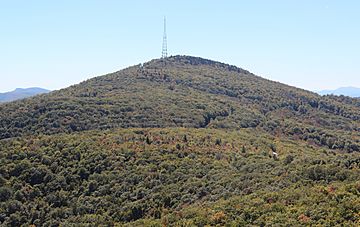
[312, 44]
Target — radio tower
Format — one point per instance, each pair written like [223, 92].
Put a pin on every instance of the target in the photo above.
[164, 44]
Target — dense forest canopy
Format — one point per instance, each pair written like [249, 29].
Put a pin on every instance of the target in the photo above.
[175, 176]
[180, 141]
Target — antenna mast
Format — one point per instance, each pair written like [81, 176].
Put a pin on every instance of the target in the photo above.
[164, 44]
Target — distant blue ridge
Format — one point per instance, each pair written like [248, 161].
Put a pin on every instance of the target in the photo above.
[20, 93]
[347, 91]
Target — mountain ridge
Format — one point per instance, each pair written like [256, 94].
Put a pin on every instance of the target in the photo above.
[346, 91]
[21, 93]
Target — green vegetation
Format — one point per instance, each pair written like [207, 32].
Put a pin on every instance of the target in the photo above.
[181, 141]
[187, 92]
[144, 176]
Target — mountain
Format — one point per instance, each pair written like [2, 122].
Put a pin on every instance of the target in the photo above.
[190, 92]
[20, 93]
[180, 141]
[347, 91]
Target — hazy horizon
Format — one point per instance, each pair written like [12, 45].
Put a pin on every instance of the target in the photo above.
[310, 45]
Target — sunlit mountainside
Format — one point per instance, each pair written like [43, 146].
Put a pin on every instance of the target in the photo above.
[180, 141]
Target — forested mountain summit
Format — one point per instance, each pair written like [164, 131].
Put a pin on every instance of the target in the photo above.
[180, 141]
[185, 91]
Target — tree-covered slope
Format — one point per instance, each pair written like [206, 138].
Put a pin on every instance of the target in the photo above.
[183, 91]
[175, 177]
[181, 141]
